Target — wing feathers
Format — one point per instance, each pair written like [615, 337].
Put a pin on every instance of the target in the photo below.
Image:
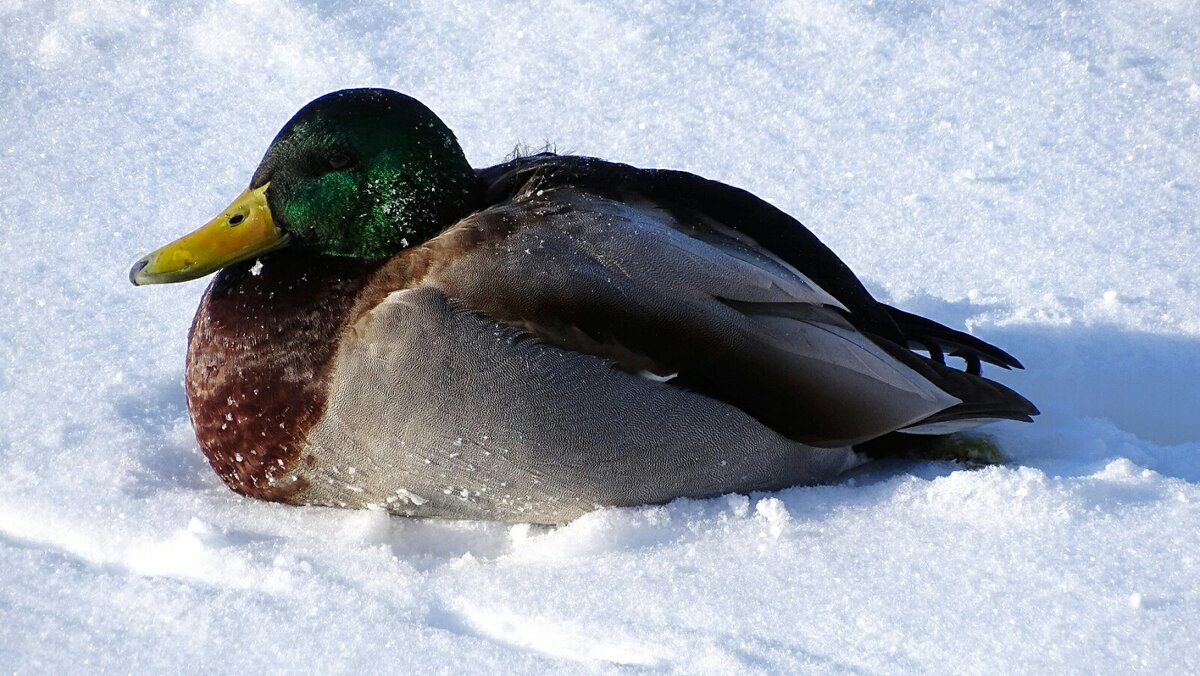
[637, 287]
[667, 273]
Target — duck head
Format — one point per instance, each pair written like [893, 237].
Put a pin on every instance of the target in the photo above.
[362, 173]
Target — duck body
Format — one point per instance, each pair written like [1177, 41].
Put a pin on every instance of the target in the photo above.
[589, 335]
[391, 328]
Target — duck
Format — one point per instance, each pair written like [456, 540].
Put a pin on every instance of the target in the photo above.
[391, 328]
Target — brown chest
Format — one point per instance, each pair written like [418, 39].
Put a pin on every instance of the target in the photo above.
[259, 354]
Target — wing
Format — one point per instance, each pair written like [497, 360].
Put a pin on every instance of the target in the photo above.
[693, 198]
[625, 280]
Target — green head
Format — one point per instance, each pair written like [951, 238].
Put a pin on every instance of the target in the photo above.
[361, 173]
[365, 173]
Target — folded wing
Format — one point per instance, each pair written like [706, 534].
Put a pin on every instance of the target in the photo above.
[689, 299]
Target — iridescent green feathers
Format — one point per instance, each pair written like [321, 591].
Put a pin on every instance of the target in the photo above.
[365, 173]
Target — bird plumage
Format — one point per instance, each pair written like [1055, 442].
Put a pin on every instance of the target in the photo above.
[586, 334]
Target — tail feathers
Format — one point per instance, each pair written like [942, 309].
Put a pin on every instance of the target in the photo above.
[939, 340]
[982, 399]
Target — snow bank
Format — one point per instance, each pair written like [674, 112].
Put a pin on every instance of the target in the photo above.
[1030, 172]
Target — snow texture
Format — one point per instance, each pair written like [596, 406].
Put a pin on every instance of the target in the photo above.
[1027, 171]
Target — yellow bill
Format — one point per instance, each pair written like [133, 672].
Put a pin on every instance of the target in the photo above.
[244, 230]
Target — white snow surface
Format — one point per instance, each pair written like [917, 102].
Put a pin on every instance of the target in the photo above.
[1029, 172]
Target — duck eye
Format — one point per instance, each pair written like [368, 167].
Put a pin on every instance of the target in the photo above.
[339, 161]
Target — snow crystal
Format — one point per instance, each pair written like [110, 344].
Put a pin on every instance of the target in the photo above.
[775, 513]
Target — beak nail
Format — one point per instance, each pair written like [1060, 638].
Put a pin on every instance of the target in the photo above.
[137, 267]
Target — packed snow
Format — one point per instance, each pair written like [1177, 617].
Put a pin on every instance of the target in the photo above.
[1029, 172]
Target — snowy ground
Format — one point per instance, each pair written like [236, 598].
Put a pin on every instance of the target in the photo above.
[1028, 171]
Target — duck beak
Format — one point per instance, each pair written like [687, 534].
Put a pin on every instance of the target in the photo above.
[244, 230]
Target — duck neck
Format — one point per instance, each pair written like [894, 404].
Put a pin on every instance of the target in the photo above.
[414, 204]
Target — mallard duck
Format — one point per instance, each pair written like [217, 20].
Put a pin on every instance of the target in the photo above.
[391, 328]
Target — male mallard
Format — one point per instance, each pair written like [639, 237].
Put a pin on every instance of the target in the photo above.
[531, 341]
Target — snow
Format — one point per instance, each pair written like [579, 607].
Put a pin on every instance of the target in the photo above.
[1027, 171]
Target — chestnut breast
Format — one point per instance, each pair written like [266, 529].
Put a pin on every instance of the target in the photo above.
[258, 359]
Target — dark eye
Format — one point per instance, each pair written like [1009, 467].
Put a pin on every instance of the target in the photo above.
[340, 161]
